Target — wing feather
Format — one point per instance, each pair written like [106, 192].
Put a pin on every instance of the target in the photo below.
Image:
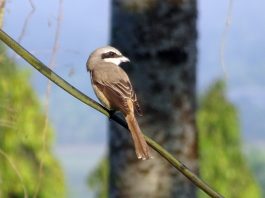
[117, 88]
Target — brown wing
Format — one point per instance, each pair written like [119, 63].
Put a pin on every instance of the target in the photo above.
[136, 105]
[116, 86]
[126, 89]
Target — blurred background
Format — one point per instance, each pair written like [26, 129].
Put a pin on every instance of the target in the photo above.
[230, 96]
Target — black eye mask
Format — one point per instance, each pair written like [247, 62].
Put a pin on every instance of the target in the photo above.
[110, 55]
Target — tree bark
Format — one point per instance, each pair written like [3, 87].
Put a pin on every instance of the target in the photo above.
[159, 36]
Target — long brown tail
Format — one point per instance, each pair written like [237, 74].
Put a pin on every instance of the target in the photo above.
[141, 147]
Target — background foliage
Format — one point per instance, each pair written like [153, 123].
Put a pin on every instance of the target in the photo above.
[21, 126]
[98, 179]
[256, 160]
[222, 162]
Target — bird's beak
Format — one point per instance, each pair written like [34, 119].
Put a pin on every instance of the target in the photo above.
[124, 59]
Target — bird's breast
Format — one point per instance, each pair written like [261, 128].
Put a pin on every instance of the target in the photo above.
[102, 98]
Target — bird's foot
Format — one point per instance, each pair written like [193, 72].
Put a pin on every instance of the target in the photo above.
[111, 113]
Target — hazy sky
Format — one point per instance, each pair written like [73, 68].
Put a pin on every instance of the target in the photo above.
[85, 26]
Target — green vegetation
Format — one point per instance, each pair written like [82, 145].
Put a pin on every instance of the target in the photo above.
[222, 163]
[21, 139]
[256, 159]
[98, 179]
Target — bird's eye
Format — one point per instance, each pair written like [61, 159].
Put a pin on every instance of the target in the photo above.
[111, 54]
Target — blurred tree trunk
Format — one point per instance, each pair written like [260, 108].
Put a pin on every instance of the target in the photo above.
[159, 36]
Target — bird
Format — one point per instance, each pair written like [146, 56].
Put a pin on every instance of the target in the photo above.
[114, 90]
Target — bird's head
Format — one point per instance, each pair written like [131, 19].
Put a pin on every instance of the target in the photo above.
[106, 54]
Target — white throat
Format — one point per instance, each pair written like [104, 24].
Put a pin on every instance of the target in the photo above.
[117, 61]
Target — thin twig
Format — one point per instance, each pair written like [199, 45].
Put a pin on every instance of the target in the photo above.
[7, 124]
[228, 22]
[12, 164]
[51, 65]
[26, 22]
[85, 99]
[33, 7]
[2, 6]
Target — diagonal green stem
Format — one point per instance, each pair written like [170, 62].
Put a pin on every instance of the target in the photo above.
[85, 99]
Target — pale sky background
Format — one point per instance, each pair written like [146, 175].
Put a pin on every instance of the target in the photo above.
[81, 131]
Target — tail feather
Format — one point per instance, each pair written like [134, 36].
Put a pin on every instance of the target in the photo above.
[141, 147]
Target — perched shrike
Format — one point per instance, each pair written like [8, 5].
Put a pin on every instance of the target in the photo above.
[114, 90]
